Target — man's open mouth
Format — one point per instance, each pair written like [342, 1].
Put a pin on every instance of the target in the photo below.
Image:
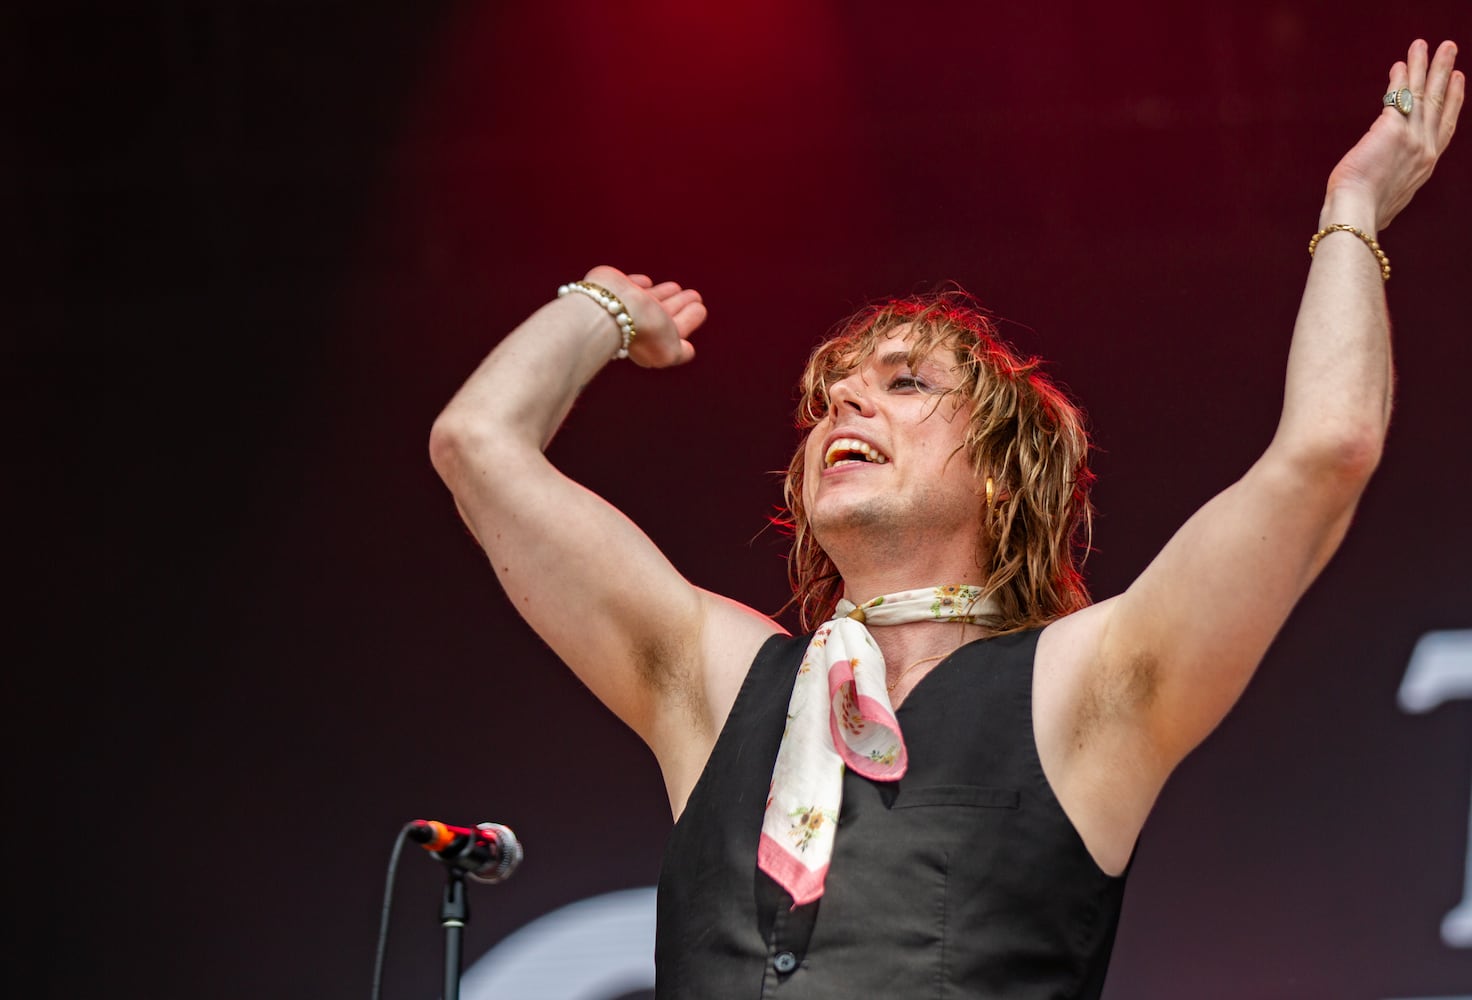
[846, 450]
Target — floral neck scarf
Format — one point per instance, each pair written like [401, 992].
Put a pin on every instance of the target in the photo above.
[840, 716]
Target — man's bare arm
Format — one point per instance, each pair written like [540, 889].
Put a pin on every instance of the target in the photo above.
[1160, 665]
[663, 655]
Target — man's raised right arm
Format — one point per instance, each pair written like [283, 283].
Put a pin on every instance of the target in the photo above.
[663, 655]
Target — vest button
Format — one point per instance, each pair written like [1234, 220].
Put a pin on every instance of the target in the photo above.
[785, 962]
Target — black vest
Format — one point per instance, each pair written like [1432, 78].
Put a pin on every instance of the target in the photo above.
[962, 880]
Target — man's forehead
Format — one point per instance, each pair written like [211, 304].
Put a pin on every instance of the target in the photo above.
[903, 347]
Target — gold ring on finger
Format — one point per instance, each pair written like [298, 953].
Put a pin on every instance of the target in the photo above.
[1400, 100]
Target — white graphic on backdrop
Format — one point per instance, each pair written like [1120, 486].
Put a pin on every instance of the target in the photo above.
[1440, 671]
[595, 949]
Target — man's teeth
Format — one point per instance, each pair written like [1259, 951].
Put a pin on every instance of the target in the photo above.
[846, 450]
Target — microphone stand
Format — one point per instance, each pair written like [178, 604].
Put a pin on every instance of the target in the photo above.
[489, 853]
[454, 915]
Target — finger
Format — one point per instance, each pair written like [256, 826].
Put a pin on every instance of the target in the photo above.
[667, 357]
[1441, 72]
[664, 290]
[1416, 66]
[1398, 76]
[680, 300]
[642, 280]
[689, 319]
[681, 355]
[1456, 91]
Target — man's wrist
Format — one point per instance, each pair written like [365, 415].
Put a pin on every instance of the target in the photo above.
[1349, 207]
[612, 304]
[599, 336]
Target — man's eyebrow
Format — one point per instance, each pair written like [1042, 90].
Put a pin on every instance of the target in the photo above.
[901, 359]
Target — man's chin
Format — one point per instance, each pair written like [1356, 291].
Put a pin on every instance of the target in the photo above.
[837, 518]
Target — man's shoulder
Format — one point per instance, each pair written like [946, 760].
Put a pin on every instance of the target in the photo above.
[732, 634]
[1075, 636]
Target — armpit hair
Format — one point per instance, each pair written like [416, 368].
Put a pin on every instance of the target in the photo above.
[668, 665]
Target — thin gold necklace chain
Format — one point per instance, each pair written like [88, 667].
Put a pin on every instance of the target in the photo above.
[924, 659]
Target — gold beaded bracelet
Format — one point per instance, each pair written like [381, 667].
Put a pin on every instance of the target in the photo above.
[610, 302]
[1365, 238]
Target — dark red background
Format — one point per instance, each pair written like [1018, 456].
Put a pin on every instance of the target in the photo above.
[256, 246]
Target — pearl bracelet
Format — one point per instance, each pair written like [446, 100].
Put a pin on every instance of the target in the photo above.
[1365, 238]
[608, 301]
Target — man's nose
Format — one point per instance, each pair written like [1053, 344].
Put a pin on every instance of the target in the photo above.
[851, 393]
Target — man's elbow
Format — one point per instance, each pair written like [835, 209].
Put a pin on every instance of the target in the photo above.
[1339, 459]
[1353, 455]
[452, 440]
[478, 456]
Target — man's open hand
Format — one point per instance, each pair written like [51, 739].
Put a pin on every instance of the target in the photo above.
[665, 315]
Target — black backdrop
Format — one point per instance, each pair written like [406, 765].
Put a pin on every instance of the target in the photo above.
[256, 245]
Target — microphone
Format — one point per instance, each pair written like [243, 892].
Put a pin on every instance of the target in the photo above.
[488, 853]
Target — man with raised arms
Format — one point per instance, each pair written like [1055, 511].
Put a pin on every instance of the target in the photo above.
[886, 807]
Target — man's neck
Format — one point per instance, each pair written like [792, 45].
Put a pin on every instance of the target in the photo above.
[872, 573]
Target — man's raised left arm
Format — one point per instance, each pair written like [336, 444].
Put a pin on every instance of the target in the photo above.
[1169, 657]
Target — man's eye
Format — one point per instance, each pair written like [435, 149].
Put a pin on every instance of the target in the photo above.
[907, 382]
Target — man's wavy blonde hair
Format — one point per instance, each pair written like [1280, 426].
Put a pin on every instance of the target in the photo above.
[1024, 433]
